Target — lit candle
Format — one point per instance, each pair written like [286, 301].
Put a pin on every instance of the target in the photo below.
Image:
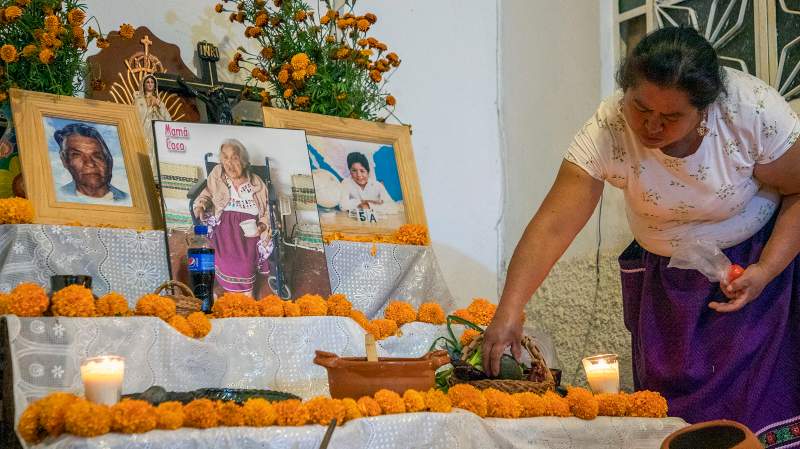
[602, 373]
[102, 378]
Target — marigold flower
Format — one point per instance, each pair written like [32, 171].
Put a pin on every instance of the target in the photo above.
[262, 20]
[5, 300]
[133, 416]
[8, 53]
[501, 405]
[156, 305]
[437, 401]
[48, 39]
[180, 324]
[532, 404]
[52, 24]
[219, 8]
[412, 234]
[230, 414]
[372, 18]
[300, 16]
[469, 398]
[359, 317]
[372, 42]
[28, 427]
[468, 336]
[233, 66]
[299, 75]
[199, 323]
[28, 299]
[482, 310]
[258, 412]
[647, 404]
[87, 419]
[555, 405]
[312, 305]
[112, 304]
[415, 401]
[265, 101]
[342, 53]
[235, 305]
[390, 100]
[342, 24]
[75, 301]
[311, 70]
[102, 42]
[291, 413]
[290, 309]
[283, 77]
[385, 328]
[362, 42]
[23, 3]
[401, 312]
[380, 46]
[363, 25]
[431, 312]
[267, 52]
[464, 315]
[200, 413]
[28, 51]
[368, 406]
[275, 21]
[582, 403]
[288, 93]
[612, 404]
[351, 409]
[330, 39]
[76, 16]
[271, 306]
[300, 61]
[393, 58]
[390, 402]
[92, 33]
[169, 415]
[126, 31]
[259, 74]
[323, 410]
[12, 13]
[240, 17]
[15, 210]
[52, 409]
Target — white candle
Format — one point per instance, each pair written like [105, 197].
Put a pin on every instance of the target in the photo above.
[602, 373]
[102, 379]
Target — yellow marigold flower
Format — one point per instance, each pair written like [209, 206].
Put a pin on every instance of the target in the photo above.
[300, 61]
[262, 20]
[283, 77]
[233, 66]
[290, 309]
[311, 70]
[482, 310]
[48, 39]
[155, 305]
[8, 53]
[363, 25]
[431, 312]
[468, 336]
[610, 404]
[240, 17]
[415, 401]
[200, 413]
[180, 324]
[230, 414]
[52, 409]
[258, 412]
[359, 317]
[342, 96]
[169, 415]
[385, 328]
[390, 100]
[259, 74]
[219, 8]
[5, 300]
[28, 51]
[330, 39]
[102, 42]
[390, 402]
[437, 402]
[500, 404]
[382, 66]
[647, 404]
[265, 101]
[133, 416]
[76, 16]
[342, 24]
[112, 304]
[582, 403]
[28, 299]
[199, 323]
[362, 42]
[393, 58]
[312, 305]
[375, 76]
[23, 3]
[412, 234]
[28, 427]
[291, 413]
[469, 398]
[555, 405]
[338, 305]
[365, 52]
[381, 46]
[372, 42]
[92, 33]
[342, 53]
[12, 13]
[267, 52]
[52, 24]
[368, 406]
[126, 31]
[73, 300]
[87, 419]
[323, 410]
[235, 305]
[464, 314]
[324, 20]
[351, 409]
[532, 404]
[401, 312]
[271, 306]
[300, 16]
[299, 75]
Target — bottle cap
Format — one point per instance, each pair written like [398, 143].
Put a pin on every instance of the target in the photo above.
[201, 230]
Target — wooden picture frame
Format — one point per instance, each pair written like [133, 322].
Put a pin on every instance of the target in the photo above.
[133, 203]
[399, 137]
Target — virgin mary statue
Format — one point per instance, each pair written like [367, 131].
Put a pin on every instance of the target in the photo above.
[150, 108]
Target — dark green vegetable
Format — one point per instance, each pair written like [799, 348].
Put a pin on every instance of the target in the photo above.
[156, 395]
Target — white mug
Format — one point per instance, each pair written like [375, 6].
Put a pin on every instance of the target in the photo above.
[249, 227]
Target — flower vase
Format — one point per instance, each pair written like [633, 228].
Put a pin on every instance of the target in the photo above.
[10, 172]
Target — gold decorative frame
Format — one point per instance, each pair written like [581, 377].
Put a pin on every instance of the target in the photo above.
[360, 130]
[30, 108]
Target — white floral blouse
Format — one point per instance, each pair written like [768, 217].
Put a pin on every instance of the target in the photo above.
[709, 195]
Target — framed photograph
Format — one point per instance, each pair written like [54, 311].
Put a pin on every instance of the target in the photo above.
[250, 187]
[84, 161]
[364, 173]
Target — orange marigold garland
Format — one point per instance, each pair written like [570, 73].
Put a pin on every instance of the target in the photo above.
[28, 299]
[338, 305]
[87, 419]
[351, 409]
[482, 311]
[5, 301]
[271, 306]
[133, 416]
[292, 413]
[52, 410]
[468, 335]
[437, 401]
[199, 323]
[385, 328]
[323, 409]
[181, 325]
[464, 314]
[232, 305]
[647, 404]
[200, 413]
[73, 301]
[169, 415]
[16, 211]
[555, 405]
[532, 404]
[431, 312]
[401, 312]
[259, 412]
[415, 401]
[312, 305]
[230, 414]
[582, 403]
[28, 426]
[469, 398]
[412, 234]
[290, 309]
[612, 404]
[112, 304]
[390, 402]
[500, 404]
[368, 406]
[156, 305]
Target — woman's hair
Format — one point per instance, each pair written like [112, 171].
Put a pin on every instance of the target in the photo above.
[675, 57]
[240, 149]
[155, 82]
[82, 130]
[357, 158]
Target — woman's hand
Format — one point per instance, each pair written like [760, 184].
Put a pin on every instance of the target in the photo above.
[262, 227]
[504, 331]
[743, 289]
[364, 205]
[199, 210]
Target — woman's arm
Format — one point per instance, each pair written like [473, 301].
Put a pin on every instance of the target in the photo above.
[562, 214]
[783, 245]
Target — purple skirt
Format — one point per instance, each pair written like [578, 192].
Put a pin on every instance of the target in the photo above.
[237, 258]
[743, 366]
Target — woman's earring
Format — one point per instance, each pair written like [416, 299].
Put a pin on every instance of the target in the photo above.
[702, 130]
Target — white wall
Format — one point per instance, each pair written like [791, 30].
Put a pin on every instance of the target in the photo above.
[446, 89]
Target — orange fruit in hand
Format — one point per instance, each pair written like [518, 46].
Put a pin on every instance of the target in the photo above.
[734, 272]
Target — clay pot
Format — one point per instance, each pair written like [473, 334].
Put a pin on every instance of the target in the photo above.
[719, 434]
[353, 377]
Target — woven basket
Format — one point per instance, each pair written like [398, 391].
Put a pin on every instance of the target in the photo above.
[185, 301]
[303, 192]
[178, 179]
[538, 367]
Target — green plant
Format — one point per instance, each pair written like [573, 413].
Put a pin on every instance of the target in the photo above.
[314, 62]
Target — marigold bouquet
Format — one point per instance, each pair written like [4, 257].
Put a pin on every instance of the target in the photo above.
[43, 44]
[312, 60]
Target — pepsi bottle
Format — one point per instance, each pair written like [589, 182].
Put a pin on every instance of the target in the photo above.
[201, 267]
